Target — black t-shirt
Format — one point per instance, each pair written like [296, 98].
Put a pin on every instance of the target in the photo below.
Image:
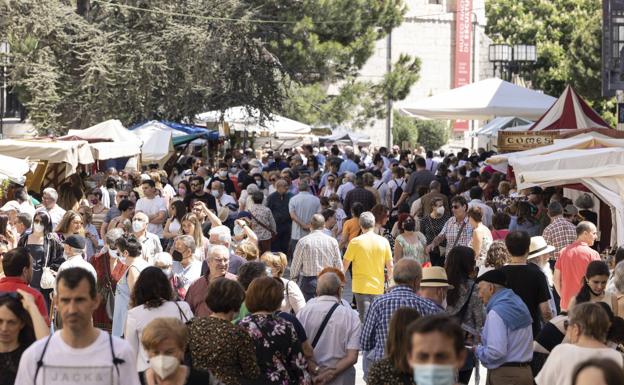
[208, 200]
[529, 283]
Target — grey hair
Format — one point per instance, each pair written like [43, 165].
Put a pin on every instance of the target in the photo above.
[618, 277]
[317, 222]
[328, 284]
[76, 251]
[162, 259]
[51, 192]
[407, 271]
[113, 235]
[222, 232]
[188, 241]
[218, 250]
[367, 220]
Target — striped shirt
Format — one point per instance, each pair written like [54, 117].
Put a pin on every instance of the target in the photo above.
[313, 253]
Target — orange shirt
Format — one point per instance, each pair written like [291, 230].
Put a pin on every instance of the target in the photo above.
[350, 229]
[572, 264]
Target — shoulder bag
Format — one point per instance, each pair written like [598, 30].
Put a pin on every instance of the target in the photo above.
[323, 325]
[109, 294]
[48, 277]
[273, 233]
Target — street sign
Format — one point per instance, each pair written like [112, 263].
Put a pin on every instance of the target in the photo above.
[612, 47]
[509, 141]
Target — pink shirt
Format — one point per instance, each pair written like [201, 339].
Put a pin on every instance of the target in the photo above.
[572, 264]
[196, 295]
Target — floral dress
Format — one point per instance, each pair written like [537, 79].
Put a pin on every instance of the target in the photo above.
[278, 351]
[415, 251]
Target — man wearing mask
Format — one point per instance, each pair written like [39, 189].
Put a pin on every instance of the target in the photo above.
[217, 190]
[73, 248]
[185, 268]
[278, 202]
[223, 177]
[150, 243]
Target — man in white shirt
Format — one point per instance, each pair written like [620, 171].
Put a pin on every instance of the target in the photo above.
[217, 189]
[73, 247]
[150, 243]
[185, 268]
[49, 198]
[79, 353]
[336, 346]
[153, 206]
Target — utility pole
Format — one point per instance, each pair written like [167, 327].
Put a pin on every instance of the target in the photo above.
[388, 98]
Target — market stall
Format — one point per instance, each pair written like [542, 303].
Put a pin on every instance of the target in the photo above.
[108, 140]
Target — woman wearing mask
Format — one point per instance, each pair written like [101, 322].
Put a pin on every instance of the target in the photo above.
[278, 351]
[594, 285]
[45, 249]
[165, 341]
[99, 211]
[463, 300]
[431, 225]
[219, 346]
[152, 297]
[393, 368]
[22, 324]
[109, 269]
[173, 226]
[184, 190]
[191, 226]
[410, 243]
[293, 297]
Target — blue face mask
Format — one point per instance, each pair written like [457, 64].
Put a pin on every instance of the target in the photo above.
[432, 374]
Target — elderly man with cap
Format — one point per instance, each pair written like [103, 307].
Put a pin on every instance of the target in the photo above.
[506, 347]
[407, 277]
[434, 285]
[73, 248]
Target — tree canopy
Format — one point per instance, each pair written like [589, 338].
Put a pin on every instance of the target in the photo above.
[567, 34]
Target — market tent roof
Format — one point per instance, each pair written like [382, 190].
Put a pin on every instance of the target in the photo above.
[483, 100]
[180, 129]
[70, 153]
[14, 169]
[570, 111]
[599, 169]
[242, 119]
[495, 125]
[157, 143]
[346, 137]
[109, 140]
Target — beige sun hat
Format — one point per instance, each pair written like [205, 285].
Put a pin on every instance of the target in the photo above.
[538, 247]
[434, 276]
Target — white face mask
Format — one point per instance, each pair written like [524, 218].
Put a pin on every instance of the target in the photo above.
[237, 230]
[38, 228]
[432, 374]
[440, 210]
[137, 226]
[164, 366]
[215, 193]
[223, 174]
[113, 253]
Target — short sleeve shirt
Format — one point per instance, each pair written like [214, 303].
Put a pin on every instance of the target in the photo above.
[368, 254]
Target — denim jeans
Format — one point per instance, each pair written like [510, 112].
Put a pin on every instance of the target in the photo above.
[308, 287]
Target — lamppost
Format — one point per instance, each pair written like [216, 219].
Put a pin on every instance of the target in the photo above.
[4, 55]
[510, 59]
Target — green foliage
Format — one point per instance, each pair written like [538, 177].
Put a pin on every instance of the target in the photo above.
[432, 134]
[567, 34]
[124, 63]
[404, 129]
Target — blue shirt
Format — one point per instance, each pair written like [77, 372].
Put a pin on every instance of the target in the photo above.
[348, 165]
[501, 345]
[304, 205]
[377, 322]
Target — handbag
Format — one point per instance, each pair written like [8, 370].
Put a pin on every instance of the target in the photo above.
[109, 295]
[48, 276]
[273, 233]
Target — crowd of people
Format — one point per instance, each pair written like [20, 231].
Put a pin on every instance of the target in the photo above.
[289, 267]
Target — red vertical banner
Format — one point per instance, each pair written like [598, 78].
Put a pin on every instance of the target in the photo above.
[463, 51]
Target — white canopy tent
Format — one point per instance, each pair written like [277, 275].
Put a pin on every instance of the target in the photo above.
[110, 140]
[482, 100]
[69, 153]
[240, 119]
[14, 169]
[157, 143]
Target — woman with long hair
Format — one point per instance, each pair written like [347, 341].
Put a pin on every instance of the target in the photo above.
[45, 249]
[22, 324]
[90, 231]
[70, 224]
[394, 368]
[7, 232]
[152, 297]
[173, 226]
[192, 226]
[594, 287]
[463, 300]
[99, 210]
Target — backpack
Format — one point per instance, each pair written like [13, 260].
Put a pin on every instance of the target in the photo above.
[398, 192]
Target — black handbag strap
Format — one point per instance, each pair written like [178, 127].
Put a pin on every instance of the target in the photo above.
[459, 233]
[182, 315]
[273, 233]
[323, 325]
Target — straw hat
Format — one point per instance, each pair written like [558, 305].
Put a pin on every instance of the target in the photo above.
[539, 247]
[434, 276]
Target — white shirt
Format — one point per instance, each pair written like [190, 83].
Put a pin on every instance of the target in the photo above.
[78, 261]
[343, 189]
[382, 188]
[293, 297]
[65, 365]
[486, 211]
[564, 358]
[105, 197]
[150, 245]
[341, 333]
[152, 207]
[225, 200]
[56, 214]
[186, 275]
[139, 316]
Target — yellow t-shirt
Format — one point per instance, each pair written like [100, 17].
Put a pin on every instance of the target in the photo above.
[368, 254]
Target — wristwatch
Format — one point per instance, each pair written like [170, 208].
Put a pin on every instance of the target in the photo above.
[317, 370]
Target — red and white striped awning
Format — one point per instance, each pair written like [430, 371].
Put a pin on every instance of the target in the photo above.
[570, 111]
